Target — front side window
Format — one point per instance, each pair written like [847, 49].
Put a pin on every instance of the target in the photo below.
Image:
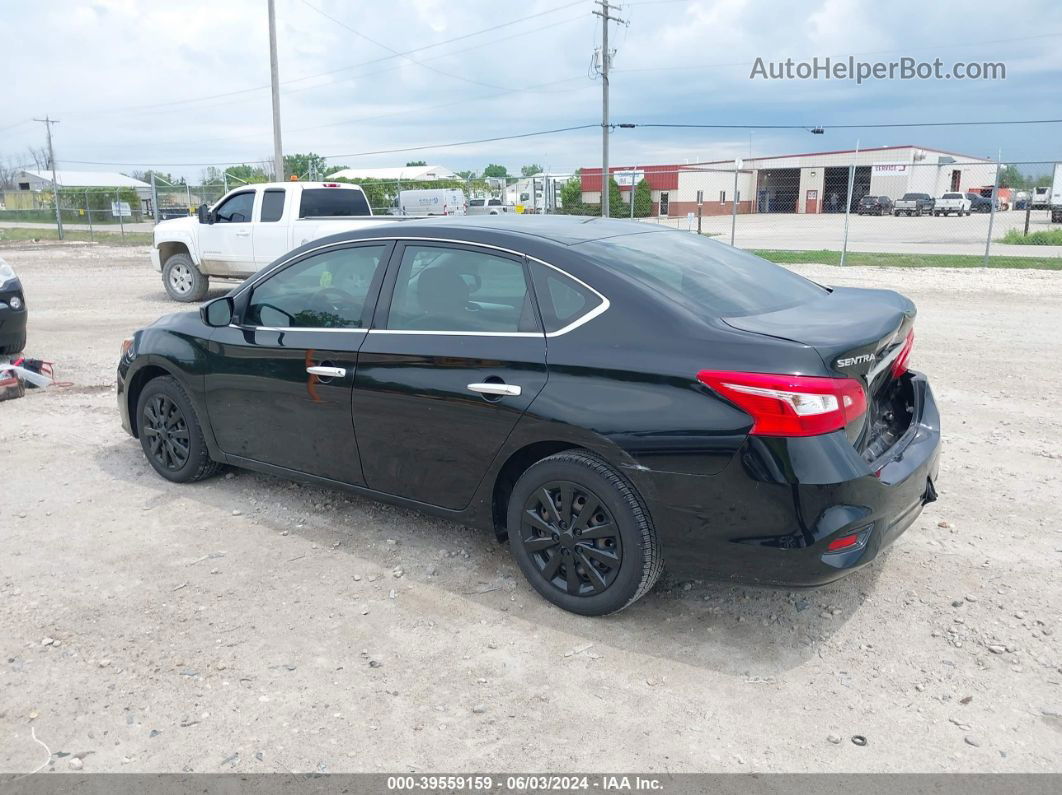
[235, 209]
[440, 288]
[326, 290]
[273, 205]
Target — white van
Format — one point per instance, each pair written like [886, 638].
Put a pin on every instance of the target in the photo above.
[432, 201]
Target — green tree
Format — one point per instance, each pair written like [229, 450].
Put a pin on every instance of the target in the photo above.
[531, 170]
[244, 173]
[466, 174]
[617, 208]
[643, 199]
[413, 163]
[571, 194]
[494, 170]
[307, 166]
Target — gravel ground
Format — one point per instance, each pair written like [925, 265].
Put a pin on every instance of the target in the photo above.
[252, 624]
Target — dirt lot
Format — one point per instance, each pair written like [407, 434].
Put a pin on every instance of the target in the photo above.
[253, 624]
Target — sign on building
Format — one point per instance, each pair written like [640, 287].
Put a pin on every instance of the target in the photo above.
[121, 209]
[628, 177]
[890, 169]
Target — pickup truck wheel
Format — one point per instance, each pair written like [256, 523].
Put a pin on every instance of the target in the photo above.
[183, 280]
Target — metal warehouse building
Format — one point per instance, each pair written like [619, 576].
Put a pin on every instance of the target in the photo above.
[815, 182]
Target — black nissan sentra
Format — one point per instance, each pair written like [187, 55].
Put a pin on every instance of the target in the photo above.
[607, 396]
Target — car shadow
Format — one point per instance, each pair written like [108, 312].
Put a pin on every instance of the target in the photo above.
[754, 632]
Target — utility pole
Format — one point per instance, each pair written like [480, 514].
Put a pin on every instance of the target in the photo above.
[48, 122]
[274, 77]
[606, 57]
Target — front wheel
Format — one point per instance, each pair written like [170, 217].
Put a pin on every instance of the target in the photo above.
[581, 535]
[184, 282]
[170, 433]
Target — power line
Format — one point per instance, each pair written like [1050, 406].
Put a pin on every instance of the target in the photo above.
[237, 92]
[355, 154]
[868, 126]
[395, 52]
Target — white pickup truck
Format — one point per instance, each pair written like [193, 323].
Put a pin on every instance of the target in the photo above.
[251, 226]
[952, 203]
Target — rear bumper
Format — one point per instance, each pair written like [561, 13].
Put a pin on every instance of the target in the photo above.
[769, 516]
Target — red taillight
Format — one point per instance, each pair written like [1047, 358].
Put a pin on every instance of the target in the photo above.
[790, 405]
[899, 367]
[331, 184]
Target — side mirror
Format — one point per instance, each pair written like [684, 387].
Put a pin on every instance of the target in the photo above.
[217, 313]
[205, 216]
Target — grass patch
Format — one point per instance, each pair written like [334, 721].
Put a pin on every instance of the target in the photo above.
[106, 238]
[828, 257]
[1045, 237]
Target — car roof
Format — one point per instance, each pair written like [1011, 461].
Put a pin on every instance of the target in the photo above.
[566, 230]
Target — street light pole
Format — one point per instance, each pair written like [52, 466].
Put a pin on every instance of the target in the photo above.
[274, 77]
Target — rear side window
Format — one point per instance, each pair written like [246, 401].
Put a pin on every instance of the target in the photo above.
[561, 299]
[332, 202]
[702, 275]
[272, 205]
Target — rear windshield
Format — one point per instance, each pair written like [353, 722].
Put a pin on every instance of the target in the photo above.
[329, 202]
[477, 202]
[702, 275]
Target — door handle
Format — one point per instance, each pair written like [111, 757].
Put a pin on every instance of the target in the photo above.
[327, 372]
[511, 390]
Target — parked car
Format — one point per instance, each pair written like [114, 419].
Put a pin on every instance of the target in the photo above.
[875, 205]
[432, 201]
[1041, 197]
[979, 203]
[914, 204]
[950, 203]
[248, 228]
[13, 312]
[604, 395]
[487, 207]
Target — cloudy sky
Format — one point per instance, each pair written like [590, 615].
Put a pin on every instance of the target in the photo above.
[181, 85]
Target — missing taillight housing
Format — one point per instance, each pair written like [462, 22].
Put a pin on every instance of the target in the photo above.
[900, 365]
[790, 405]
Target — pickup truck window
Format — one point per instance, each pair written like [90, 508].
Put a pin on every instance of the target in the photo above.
[272, 205]
[332, 202]
[235, 209]
[326, 290]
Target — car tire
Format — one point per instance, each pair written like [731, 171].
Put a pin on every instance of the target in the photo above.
[593, 550]
[170, 433]
[184, 282]
[14, 347]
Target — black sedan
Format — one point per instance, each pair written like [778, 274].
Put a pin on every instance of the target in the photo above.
[12, 311]
[604, 395]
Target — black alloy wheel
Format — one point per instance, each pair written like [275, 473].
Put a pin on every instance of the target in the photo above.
[571, 538]
[170, 433]
[167, 433]
[581, 534]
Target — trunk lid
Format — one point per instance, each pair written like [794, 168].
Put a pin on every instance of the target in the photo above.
[858, 333]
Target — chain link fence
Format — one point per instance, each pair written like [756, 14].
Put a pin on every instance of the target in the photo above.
[824, 209]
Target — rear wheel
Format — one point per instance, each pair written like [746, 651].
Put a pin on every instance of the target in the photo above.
[170, 433]
[183, 280]
[582, 535]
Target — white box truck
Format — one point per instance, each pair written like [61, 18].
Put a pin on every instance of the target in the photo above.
[1056, 195]
[432, 201]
